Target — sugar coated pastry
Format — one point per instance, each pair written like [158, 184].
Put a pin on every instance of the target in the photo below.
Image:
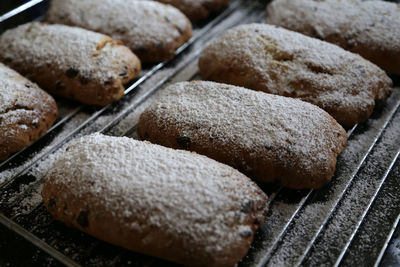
[277, 61]
[197, 9]
[26, 112]
[265, 136]
[369, 28]
[154, 31]
[69, 61]
[167, 203]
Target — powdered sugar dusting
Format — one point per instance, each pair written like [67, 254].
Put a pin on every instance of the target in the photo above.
[28, 202]
[22, 103]
[63, 47]
[139, 24]
[237, 119]
[282, 62]
[14, 92]
[372, 23]
[144, 186]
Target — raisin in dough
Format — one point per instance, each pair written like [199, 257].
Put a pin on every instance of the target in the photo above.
[70, 61]
[167, 203]
[197, 9]
[369, 28]
[26, 112]
[153, 31]
[265, 136]
[277, 61]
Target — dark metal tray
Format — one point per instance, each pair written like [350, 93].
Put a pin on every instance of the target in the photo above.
[351, 221]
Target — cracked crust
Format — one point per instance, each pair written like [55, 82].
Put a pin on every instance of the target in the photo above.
[70, 61]
[277, 61]
[369, 28]
[197, 9]
[26, 112]
[153, 31]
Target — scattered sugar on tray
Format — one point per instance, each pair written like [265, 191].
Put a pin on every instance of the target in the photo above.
[131, 119]
[29, 202]
[353, 206]
[382, 215]
[381, 218]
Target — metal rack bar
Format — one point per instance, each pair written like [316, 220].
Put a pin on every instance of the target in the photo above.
[346, 246]
[387, 241]
[36, 241]
[19, 9]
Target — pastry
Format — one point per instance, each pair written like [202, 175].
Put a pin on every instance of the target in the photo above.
[197, 9]
[153, 31]
[369, 28]
[277, 61]
[167, 203]
[26, 112]
[267, 137]
[69, 61]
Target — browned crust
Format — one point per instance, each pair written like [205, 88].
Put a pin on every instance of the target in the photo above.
[197, 10]
[87, 90]
[70, 84]
[13, 138]
[158, 52]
